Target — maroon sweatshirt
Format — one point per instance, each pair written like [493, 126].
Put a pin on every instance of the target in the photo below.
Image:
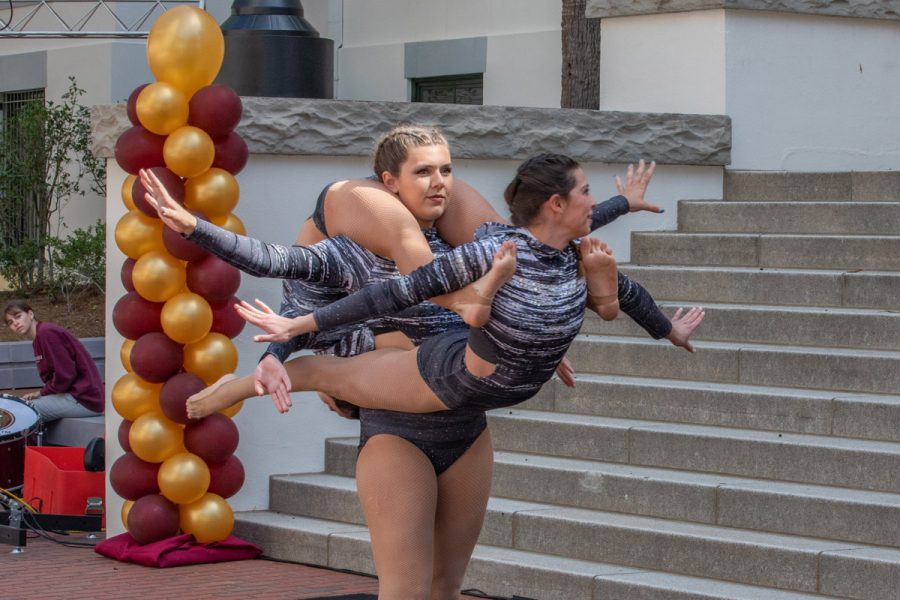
[66, 367]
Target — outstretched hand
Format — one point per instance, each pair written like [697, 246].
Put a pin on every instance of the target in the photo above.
[683, 325]
[566, 372]
[170, 212]
[636, 182]
[272, 378]
[278, 328]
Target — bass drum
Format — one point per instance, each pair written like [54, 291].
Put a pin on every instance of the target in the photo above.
[17, 422]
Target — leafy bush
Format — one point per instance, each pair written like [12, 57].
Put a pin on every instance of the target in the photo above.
[79, 265]
[19, 265]
[45, 162]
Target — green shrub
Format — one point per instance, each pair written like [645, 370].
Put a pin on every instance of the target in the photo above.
[79, 265]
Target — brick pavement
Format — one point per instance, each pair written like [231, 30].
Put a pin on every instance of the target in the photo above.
[48, 571]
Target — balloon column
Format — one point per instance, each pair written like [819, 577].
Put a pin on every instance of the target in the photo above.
[176, 317]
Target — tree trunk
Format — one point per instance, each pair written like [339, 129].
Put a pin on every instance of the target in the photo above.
[580, 57]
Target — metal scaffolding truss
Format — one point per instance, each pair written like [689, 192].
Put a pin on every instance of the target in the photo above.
[83, 18]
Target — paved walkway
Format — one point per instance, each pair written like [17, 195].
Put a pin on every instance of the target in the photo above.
[49, 571]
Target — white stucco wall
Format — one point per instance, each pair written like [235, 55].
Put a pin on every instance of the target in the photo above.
[664, 63]
[805, 93]
[810, 93]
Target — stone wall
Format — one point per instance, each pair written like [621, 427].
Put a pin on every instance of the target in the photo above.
[290, 126]
[867, 9]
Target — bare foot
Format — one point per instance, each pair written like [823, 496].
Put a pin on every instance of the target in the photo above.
[206, 402]
[602, 277]
[683, 325]
[475, 305]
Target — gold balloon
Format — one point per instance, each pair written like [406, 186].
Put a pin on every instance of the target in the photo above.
[231, 223]
[158, 276]
[211, 357]
[126, 508]
[162, 108]
[214, 193]
[138, 234]
[189, 151]
[125, 354]
[186, 318]
[185, 47]
[183, 478]
[209, 519]
[154, 438]
[126, 192]
[233, 409]
[133, 397]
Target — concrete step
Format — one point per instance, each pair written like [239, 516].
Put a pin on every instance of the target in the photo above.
[790, 325]
[858, 186]
[811, 568]
[790, 457]
[816, 412]
[768, 506]
[839, 218]
[784, 287]
[530, 482]
[333, 498]
[786, 562]
[802, 251]
[846, 370]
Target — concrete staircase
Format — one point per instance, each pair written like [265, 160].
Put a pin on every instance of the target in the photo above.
[765, 466]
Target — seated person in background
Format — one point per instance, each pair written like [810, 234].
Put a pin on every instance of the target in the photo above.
[72, 384]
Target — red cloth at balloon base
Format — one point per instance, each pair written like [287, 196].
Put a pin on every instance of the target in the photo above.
[176, 551]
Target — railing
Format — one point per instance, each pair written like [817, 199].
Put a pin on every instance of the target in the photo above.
[83, 18]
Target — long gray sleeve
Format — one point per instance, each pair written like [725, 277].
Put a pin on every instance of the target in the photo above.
[259, 258]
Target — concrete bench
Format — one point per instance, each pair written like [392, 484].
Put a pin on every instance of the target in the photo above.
[74, 432]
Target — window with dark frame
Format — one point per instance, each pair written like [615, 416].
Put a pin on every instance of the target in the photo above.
[453, 89]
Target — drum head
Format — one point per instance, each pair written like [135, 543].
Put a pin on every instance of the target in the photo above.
[17, 419]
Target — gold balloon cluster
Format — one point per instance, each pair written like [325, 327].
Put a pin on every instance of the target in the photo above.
[185, 49]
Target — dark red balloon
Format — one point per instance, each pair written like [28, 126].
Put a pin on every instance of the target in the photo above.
[152, 518]
[131, 107]
[213, 438]
[127, 268]
[174, 394]
[231, 153]
[226, 320]
[170, 180]
[216, 109]
[124, 429]
[213, 278]
[226, 478]
[155, 357]
[138, 149]
[133, 316]
[182, 248]
[132, 478]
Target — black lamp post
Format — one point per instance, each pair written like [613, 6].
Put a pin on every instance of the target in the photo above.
[271, 50]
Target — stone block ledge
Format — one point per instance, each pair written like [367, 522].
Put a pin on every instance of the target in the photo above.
[867, 9]
[297, 126]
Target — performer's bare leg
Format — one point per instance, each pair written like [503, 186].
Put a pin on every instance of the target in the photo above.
[601, 273]
[398, 491]
[387, 379]
[463, 492]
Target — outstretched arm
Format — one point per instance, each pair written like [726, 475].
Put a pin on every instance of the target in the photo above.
[447, 273]
[252, 256]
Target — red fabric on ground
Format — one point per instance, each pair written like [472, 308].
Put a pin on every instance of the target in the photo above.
[176, 551]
